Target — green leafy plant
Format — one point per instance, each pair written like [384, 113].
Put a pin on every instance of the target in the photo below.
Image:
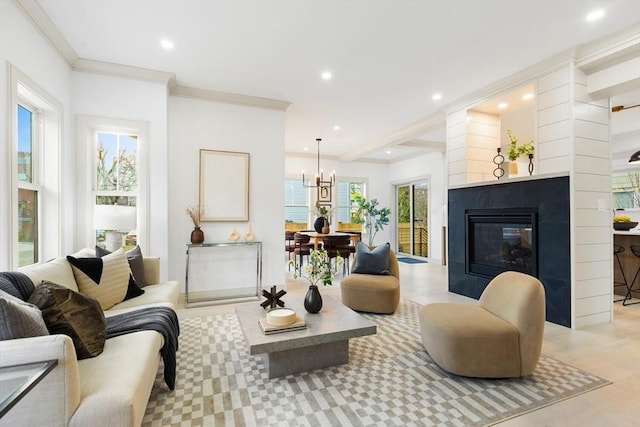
[319, 268]
[516, 150]
[373, 218]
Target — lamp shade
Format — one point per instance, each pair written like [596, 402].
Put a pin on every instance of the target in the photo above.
[114, 217]
[635, 157]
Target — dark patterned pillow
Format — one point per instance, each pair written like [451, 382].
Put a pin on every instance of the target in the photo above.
[19, 319]
[70, 313]
[372, 261]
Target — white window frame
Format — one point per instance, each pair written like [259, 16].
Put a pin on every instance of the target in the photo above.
[349, 181]
[307, 198]
[47, 144]
[88, 128]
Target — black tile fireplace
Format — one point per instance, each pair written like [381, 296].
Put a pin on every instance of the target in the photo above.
[521, 226]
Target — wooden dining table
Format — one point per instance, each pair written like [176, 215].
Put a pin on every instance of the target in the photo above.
[317, 237]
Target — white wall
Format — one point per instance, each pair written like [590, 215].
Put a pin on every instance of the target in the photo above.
[118, 98]
[24, 47]
[431, 167]
[198, 124]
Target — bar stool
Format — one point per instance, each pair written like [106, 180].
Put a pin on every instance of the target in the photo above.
[617, 249]
[636, 251]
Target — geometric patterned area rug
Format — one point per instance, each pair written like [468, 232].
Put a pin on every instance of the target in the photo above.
[390, 380]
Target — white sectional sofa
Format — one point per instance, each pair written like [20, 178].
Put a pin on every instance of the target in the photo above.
[111, 389]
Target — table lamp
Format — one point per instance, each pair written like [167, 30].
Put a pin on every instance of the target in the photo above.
[113, 219]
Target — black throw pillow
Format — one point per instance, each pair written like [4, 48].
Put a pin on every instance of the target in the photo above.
[73, 314]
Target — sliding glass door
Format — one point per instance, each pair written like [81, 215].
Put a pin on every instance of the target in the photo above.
[412, 205]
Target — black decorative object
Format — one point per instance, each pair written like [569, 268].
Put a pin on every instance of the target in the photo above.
[498, 159]
[273, 298]
[313, 300]
[318, 224]
[530, 164]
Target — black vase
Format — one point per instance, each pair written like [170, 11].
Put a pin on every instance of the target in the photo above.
[313, 300]
[318, 224]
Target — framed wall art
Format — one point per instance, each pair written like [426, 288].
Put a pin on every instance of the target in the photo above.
[224, 185]
[324, 192]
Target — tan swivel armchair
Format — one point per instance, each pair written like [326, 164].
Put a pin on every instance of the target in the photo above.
[373, 293]
[500, 337]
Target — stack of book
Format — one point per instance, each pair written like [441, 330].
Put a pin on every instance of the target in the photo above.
[273, 329]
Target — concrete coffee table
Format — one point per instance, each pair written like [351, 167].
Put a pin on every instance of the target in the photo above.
[324, 343]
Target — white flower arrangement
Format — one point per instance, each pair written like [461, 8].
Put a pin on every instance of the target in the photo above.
[319, 268]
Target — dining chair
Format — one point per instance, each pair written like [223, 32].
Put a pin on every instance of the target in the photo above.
[301, 246]
[289, 245]
[338, 246]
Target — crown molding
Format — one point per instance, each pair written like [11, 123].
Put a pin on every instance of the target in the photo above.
[610, 50]
[230, 98]
[125, 71]
[50, 32]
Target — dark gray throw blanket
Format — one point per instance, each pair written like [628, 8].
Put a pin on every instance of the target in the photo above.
[160, 319]
[16, 284]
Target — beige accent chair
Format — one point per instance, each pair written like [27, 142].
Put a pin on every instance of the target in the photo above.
[500, 337]
[373, 293]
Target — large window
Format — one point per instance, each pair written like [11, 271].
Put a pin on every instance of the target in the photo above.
[347, 192]
[626, 190]
[296, 202]
[35, 234]
[28, 182]
[116, 188]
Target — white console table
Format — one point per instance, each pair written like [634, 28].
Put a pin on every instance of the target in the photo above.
[223, 271]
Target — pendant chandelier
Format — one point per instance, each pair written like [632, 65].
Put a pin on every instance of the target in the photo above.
[319, 179]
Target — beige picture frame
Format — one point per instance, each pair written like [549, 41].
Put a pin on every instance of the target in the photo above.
[224, 185]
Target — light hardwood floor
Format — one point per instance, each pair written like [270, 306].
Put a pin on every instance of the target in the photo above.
[611, 351]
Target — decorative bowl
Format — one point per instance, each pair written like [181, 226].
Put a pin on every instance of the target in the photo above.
[624, 226]
[281, 316]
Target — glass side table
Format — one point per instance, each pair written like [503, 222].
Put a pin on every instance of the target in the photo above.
[17, 380]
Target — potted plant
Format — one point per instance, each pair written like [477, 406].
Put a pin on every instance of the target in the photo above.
[373, 218]
[516, 150]
[195, 213]
[318, 269]
[323, 213]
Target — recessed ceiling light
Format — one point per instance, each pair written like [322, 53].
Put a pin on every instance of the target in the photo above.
[503, 105]
[527, 96]
[336, 127]
[166, 44]
[595, 15]
[437, 96]
[306, 148]
[326, 75]
[388, 151]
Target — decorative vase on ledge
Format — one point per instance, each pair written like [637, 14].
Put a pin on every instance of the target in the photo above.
[513, 168]
[197, 236]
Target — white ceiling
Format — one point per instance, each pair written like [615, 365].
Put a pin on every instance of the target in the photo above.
[387, 57]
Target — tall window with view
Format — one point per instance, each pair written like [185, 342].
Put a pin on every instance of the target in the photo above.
[347, 208]
[116, 190]
[296, 205]
[28, 185]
